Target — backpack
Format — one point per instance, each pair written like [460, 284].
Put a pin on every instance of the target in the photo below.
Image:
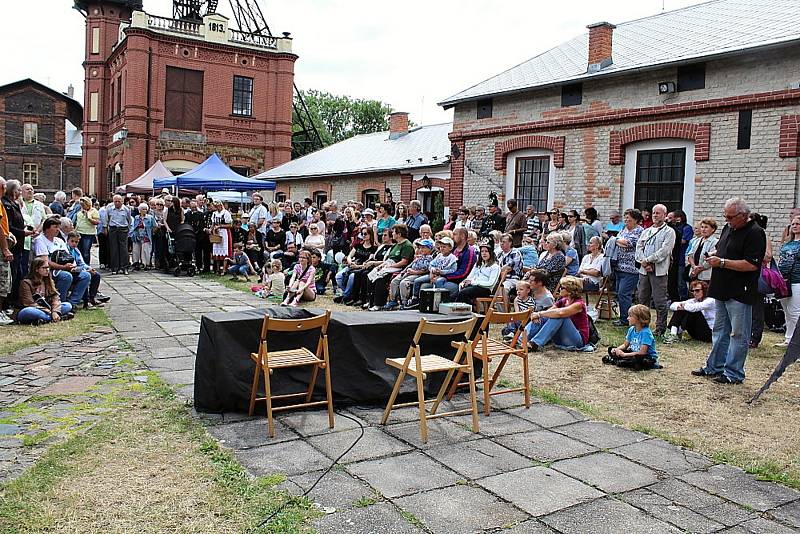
[594, 335]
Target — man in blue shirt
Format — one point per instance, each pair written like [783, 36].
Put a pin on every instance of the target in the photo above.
[90, 296]
[415, 219]
[119, 221]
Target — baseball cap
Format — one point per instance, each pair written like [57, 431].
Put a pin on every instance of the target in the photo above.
[447, 241]
[425, 243]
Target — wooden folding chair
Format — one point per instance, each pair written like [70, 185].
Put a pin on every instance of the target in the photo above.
[485, 349]
[498, 298]
[418, 366]
[605, 300]
[267, 361]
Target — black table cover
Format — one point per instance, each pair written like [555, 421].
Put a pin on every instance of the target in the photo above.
[359, 343]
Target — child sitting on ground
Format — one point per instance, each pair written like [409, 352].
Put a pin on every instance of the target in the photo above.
[239, 264]
[273, 282]
[523, 302]
[638, 351]
[400, 286]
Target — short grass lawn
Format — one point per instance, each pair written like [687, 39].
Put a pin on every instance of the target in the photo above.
[15, 337]
[146, 466]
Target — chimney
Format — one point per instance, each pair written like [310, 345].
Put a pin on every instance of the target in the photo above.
[70, 91]
[398, 124]
[600, 37]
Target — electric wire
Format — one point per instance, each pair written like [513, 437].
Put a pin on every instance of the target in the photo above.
[264, 522]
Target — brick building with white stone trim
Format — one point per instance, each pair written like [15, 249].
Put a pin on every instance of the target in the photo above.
[706, 98]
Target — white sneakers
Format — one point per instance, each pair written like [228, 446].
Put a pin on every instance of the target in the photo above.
[5, 319]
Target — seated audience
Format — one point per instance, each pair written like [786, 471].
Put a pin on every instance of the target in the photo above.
[315, 239]
[443, 264]
[400, 255]
[591, 269]
[301, 284]
[401, 285]
[530, 255]
[638, 351]
[275, 241]
[483, 278]
[51, 248]
[571, 259]
[566, 323]
[361, 291]
[39, 298]
[694, 316]
[323, 272]
[354, 262]
[90, 297]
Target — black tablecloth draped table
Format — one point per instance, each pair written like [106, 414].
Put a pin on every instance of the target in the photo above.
[359, 343]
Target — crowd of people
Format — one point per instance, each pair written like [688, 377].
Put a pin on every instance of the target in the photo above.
[383, 258]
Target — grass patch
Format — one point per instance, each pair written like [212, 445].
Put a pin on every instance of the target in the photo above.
[363, 502]
[230, 284]
[146, 466]
[554, 398]
[675, 440]
[16, 337]
[411, 518]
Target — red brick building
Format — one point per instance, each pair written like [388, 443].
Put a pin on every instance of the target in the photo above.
[40, 136]
[180, 90]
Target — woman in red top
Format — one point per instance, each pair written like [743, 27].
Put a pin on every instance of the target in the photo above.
[566, 324]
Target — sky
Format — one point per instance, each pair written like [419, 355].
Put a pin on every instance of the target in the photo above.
[409, 54]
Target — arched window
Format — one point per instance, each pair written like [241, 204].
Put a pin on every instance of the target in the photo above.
[320, 198]
[369, 197]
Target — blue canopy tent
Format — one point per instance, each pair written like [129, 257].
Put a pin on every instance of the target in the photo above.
[214, 175]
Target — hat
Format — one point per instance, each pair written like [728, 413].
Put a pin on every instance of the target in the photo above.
[368, 211]
[446, 240]
[165, 191]
[487, 242]
[426, 243]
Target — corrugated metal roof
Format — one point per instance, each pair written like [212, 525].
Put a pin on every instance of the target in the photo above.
[73, 139]
[713, 28]
[424, 146]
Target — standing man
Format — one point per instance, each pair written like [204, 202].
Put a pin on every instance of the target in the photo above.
[493, 221]
[258, 218]
[734, 286]
[653, 252]
[119, 221]
[202, 241]
[415, 219]
[75, 205]
[515, 223]
[57, 206]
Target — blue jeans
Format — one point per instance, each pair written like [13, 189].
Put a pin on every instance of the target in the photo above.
[626, 285]
[342, 279]
[80, 286]
[85, 246]
[31, 315]
[560, 331]
[63, 281]
[236, 270]
[424, 279]
[730, 339]
[443, 283]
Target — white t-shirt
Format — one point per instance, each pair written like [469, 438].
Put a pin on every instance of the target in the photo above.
[44, 247]
[260, 212]
[597, 263]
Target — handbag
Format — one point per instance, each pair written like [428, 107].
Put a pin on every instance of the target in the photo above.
[61, 257]
[215, 238]
[775, 282]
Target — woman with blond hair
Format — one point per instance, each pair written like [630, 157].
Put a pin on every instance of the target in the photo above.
[566, 324]
[86, 222]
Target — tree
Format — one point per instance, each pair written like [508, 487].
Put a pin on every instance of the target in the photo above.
[337, 118]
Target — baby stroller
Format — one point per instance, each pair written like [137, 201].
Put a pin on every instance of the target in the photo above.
[181, 245]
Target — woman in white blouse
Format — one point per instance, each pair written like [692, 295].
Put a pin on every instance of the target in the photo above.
[483, 278]
[315, 239]
[694, 316]
[591, 269]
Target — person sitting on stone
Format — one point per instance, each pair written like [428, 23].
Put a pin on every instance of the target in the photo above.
[90, 298]
[39, 297]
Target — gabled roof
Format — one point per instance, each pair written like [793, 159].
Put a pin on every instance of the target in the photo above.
[74, 108]
[712, 29]
[424, 146]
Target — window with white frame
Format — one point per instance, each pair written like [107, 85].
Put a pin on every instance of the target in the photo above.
[531, 181]
[30, 133]
[30, 174]
[370, 197]
[320, 198]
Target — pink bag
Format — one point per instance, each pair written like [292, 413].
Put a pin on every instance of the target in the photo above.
[776, 283]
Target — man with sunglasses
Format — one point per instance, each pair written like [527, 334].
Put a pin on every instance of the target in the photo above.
[736, 264]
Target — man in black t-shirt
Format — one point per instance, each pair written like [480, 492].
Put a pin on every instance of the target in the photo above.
[734, 284]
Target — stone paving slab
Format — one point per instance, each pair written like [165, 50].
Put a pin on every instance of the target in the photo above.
[759, 526]
[664, 456]
[685, 495]
[378, 518]
[665, 510]
[177, 328]
[313, 422]
[250, 433]
[735, 485]
[374, 444]
[173, 364]
[600, 434]
[789, 514]
[548, 415]
[440, 432]
[499, 424]
[72, 384]
[178, 377]
[478, 458]
[461, 509]
[532, 526]
[337, 489]
[288, 457]
[545, 446]
[610, 473]
[539, 490]
[404, 474]
[607, 516]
